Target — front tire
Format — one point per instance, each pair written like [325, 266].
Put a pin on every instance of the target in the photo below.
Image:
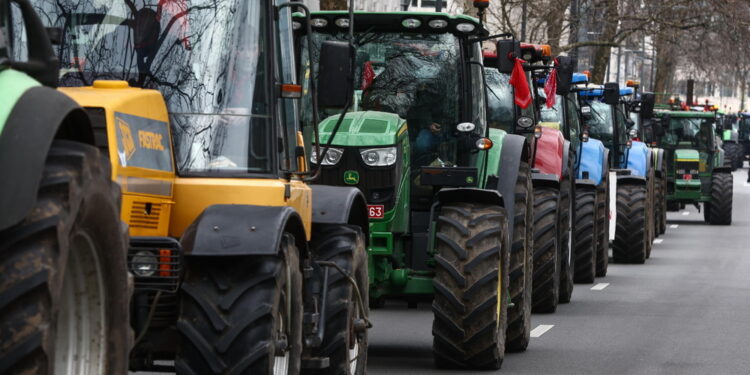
[719, 210]
[631, 234]
[585, 236]
[471, 287]
[546, 284]
[65, 285]
[345, 340]
[241, 315]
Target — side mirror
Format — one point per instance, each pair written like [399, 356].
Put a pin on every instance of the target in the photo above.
[647, 105]
[661, 125]
[42, 62]
[612, 93]
[565, 67]
[335, 76]
[507, 51]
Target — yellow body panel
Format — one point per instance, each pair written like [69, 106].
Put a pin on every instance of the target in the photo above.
[193, 195]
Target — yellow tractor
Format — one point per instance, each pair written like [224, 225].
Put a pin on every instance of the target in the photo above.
[240, 266]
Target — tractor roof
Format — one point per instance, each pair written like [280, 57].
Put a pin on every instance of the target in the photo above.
[598, 91]
[685, 114]
[577, 79]
[395, 22]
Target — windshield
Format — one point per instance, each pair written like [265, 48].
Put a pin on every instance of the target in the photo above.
[554, 113]
[689, 132]
[744, 128]
[499, 100]
[601, 124]
[207, 59]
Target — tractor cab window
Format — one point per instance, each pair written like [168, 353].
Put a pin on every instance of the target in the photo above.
[696, 133]
[499, 100]
[551, 114]
[601, 124]
[744, 128]
[208, 59]
[413, 75]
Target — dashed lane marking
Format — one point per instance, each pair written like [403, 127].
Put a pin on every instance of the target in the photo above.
[685, 213]
[541, 329]
[658, 240]
[674, 226]
[600, 286]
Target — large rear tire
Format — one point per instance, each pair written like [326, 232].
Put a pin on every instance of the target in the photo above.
[471, 287]
[241, 315]
[521, 264]
[602, 227]
[546, 283]
[64, 284]
[585, 235]
[345, 340]
[719, 210]
[631, 233]
[730, 155]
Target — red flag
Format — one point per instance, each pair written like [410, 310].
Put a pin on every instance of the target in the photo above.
[522, 94]
[368, 74]
[550, 88]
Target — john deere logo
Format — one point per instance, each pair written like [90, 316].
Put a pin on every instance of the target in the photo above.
[351, 177]
[469, 180]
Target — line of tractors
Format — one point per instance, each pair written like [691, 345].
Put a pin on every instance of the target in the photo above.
[229, 187]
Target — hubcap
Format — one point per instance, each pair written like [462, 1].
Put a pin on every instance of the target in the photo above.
[81, 336]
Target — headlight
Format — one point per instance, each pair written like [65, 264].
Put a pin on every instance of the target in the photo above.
[318, 22]
[411, 23]
[342, 22]
[465, 27]
[333, 156]
[379, 157]
[438, 24]
[144, 263]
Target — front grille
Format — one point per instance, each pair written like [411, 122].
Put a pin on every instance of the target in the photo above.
[145, 215]
[378, 184]
[686, 168]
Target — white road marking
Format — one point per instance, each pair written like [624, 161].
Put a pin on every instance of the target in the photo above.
[674, 226]
[747, 183]
[600, 286]
[685, 213]
[658, 240]
[541, 329]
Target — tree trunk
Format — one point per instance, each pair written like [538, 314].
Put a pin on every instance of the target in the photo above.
[665, 64]
[743, 89]
[601, 57]
[333, 4]
[554, 28]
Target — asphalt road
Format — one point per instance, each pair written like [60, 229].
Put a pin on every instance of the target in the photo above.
[686, 311]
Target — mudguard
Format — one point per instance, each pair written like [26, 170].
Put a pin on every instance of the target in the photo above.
[593, 160]
[515, 149]
[658, 160]
[40, 115]
[549, 152]
[233, 229]
[639, 159]
[565, 157]
[545, 179]
[339, 205]
[470, 195]
[631, 179]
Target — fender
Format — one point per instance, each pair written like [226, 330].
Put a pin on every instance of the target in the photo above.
[233, 229]
[565, 157]
[549, 152]
[515, 148]
[659, 159]
[339, 205]
[593, 160]
[27, 137]
[723, 170]
[545, 179]
[638, 161]
[631, 180]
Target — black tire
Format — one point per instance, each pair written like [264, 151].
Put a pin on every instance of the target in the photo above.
[662, 202]
[729, 155]
[468, 329]
[719, 210]
[232, 309]
[521, 265]
[71, 240]
[345, 326]
[631, 234]
[565, 219]
[546, 283]
[602, 228]
[673, 206]
[739, 155]
[585, 235]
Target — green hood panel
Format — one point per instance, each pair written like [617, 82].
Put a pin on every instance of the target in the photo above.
[686, 154]
[13, 84]
[369, 128]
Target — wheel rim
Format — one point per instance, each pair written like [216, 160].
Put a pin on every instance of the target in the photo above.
[80, 335]
[354, 339]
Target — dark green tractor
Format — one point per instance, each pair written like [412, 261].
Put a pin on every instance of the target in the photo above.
[449, 197]
[695, 161]
[63, 271]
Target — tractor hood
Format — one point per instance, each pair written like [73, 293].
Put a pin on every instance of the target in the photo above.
[686, 155]
[369, 128]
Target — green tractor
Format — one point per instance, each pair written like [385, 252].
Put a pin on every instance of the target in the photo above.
[743, 134]
[63, 270]
[449, 198]
[696, 169]
[727, 128]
